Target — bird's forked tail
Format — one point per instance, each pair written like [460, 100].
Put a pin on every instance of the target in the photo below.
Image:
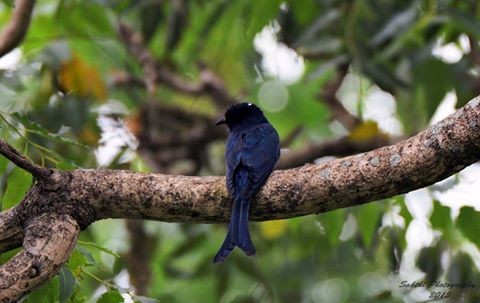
[238, 233]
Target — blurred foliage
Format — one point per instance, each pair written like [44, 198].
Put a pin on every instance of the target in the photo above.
[51, 100]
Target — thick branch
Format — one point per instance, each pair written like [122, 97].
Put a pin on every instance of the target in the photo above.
[15, 31]
[432, 155]
[49, 240]
[11, 231]
[21, 161]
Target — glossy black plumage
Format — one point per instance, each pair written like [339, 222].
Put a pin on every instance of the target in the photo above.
[252, 151]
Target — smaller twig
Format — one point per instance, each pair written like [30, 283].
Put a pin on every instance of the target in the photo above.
[474, 52]
[107, 284]
[136, 47]
[185, 136]
[139, 256]
[38, 146]
[120, 79]
[21, 161]
[329, 96]
[215, 87]
[339, 148]
[15, 31]
[209, 83]
[288, 140]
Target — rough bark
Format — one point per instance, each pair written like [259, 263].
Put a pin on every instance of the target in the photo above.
[49, 240]
[21, 161]
[58, 206]
[11, 231]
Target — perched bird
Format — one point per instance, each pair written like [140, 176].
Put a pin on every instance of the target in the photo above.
[252, 150]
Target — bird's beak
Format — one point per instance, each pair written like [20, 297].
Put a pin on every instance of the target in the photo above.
[221, 121]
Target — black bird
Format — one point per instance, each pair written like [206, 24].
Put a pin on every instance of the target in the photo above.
[252, 150]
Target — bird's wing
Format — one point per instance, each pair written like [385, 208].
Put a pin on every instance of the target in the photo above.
[233, 158]
[256, 148]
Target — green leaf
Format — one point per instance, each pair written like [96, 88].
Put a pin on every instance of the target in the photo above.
[85, 18]
[396, 245]
[433, 91]
[462, 269]
[95, 245]
[253, 271]
[64, 164]
[400, 200]
[17, 185]
[5, 256]
[111, 296]
[466, 23]
[320, 25]
[9, 3]
[152, 15]
[87, 254]
[3, 164]
[465, 87]
[333, 224]
[469, 224]
[76, 261]
[143, 299]
[9, 101]
[35, 128]
[396, 24]
[47, 293]
[66, 284]
[55, 54]
[78, 296]
[429, 261]
[440, 218]
[368, 218]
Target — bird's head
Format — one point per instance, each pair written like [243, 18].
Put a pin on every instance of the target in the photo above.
[242, 115]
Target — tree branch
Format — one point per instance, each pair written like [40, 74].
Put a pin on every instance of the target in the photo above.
[184, 136]
[339, 148]
[136, 48]
[15, 31]
[329, 96]
[139, 256]
[11, 231]
[428, 157]
[288, 140]
[75, 199]
[49, 240]
[121, 78]
[209, 84]
[21, 161]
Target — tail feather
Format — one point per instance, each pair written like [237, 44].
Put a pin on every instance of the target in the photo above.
[244, 240]
[226, 248]
[238, 233]
[232, 234]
